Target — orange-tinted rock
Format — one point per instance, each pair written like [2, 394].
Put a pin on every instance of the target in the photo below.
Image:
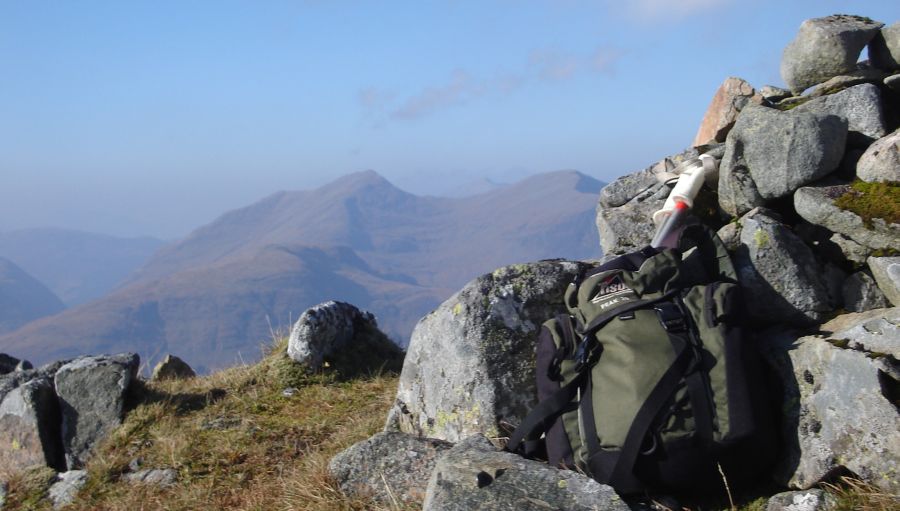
[732, 96]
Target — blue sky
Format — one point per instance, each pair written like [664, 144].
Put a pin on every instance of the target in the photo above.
[152, 118]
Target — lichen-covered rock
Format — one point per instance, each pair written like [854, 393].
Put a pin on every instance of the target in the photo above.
[838, 410]
[172, 368]
[861, 293]
[886, 271]
[469, 367]
[860, 106]
[388, 466]
[91, 394]
[475, 475]
[816, 205]
[731, 97]
[881, 161]
[769, 154]
[627, 204]
[29, 427]
[66, 487]
[328, 329]
[884, 50]
[780, 275]
[808, 500]
[824, 48]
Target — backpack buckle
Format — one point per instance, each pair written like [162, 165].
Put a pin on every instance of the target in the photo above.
[671, 317]
[587, 353]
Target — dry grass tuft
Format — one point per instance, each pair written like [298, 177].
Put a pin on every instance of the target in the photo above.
[851, 494]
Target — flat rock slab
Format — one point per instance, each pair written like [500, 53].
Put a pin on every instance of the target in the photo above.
[388, 466]
[809, 500]
[838, 412]
[152, 476]
[876, 331]
[469, 367]
[474, 475]
[91, 394]
[816, 205]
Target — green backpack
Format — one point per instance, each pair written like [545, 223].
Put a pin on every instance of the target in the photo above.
[646, 384]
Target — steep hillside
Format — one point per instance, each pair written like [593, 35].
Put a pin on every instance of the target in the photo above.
[77, 266]
[215, 296]
[23, 298]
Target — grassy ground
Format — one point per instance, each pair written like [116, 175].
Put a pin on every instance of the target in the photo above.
[238, 443]
[235, 440]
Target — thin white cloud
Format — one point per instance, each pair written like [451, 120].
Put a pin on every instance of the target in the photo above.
[461, 87]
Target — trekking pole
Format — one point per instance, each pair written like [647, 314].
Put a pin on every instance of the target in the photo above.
[691, 176]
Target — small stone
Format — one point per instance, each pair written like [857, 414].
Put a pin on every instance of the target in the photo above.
[886, 271]
[809, 500]
[66, 487]
[774, 94]
[172, 368]
[289, 392]
[893, 82]
[881, 161]
[875, 331]
[852, 251]
[4, 490]
[153, 476]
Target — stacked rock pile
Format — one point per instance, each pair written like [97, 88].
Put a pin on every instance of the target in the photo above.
[807, 200]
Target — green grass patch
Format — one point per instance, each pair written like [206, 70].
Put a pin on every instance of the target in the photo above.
[872, 200]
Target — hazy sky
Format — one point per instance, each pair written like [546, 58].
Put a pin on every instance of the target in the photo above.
[152, 118]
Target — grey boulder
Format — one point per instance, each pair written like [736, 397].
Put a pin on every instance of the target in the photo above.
[859, 105]
[769, 154]
[884, 50]
[475, 475]
[816, 204]
[7, 363]
[29, 427]
[886, 271]
[838, 410]
[387, 467]
[782, 280]
[469, 367]
[881, 161]
[824, 48]
[327, 329]
[91, 394]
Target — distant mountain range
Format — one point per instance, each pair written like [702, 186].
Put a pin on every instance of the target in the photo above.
[214, 297]
[23, 298]
[77, 266]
